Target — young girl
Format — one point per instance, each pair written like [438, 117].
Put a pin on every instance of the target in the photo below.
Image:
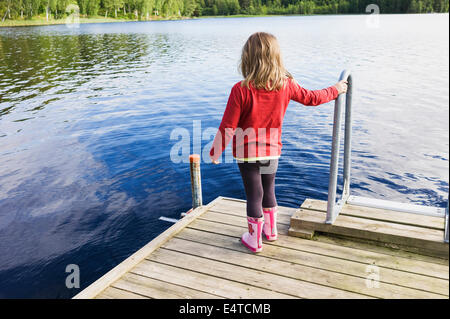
[253, 118]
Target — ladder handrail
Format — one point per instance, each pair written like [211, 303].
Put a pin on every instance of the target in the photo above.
[333, 209]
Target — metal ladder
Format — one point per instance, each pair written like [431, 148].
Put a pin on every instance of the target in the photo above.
[333, 207]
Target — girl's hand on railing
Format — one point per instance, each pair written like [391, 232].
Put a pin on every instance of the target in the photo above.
[341, 86]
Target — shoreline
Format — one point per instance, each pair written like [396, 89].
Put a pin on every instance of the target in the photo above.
[39, 21]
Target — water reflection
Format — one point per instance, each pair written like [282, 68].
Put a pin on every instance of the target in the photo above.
[43, 68]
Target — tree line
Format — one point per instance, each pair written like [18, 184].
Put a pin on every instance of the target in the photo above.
[146, 9]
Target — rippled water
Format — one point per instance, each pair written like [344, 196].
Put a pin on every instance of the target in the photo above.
[86, 116]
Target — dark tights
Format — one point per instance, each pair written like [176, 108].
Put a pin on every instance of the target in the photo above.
[259, 184]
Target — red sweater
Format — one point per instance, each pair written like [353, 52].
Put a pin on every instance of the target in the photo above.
[254, 117]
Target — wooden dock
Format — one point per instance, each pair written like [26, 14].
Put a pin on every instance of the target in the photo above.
[411, 232]
[201, 256]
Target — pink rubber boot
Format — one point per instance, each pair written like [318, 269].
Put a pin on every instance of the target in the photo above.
[253, 239]
[270, 223]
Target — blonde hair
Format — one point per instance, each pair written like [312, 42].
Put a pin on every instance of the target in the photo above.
[261, 64]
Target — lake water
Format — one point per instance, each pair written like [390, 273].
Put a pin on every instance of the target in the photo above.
[86, 116]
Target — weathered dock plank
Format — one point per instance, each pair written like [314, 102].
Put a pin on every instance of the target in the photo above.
[353, 253]
[384, 215]
[427, 240]
[201, 257]
[204, 282]
[243, 267]
[157, 289]
[239, 209]
[115, 293]
[322, 269]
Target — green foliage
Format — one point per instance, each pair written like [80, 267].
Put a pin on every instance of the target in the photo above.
[188, 8]
[89, 7]
[145, 9]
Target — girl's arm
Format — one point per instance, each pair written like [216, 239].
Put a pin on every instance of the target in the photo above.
[228, 125]
[316, 97]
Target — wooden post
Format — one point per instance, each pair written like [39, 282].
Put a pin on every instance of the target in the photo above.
[196, 181]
